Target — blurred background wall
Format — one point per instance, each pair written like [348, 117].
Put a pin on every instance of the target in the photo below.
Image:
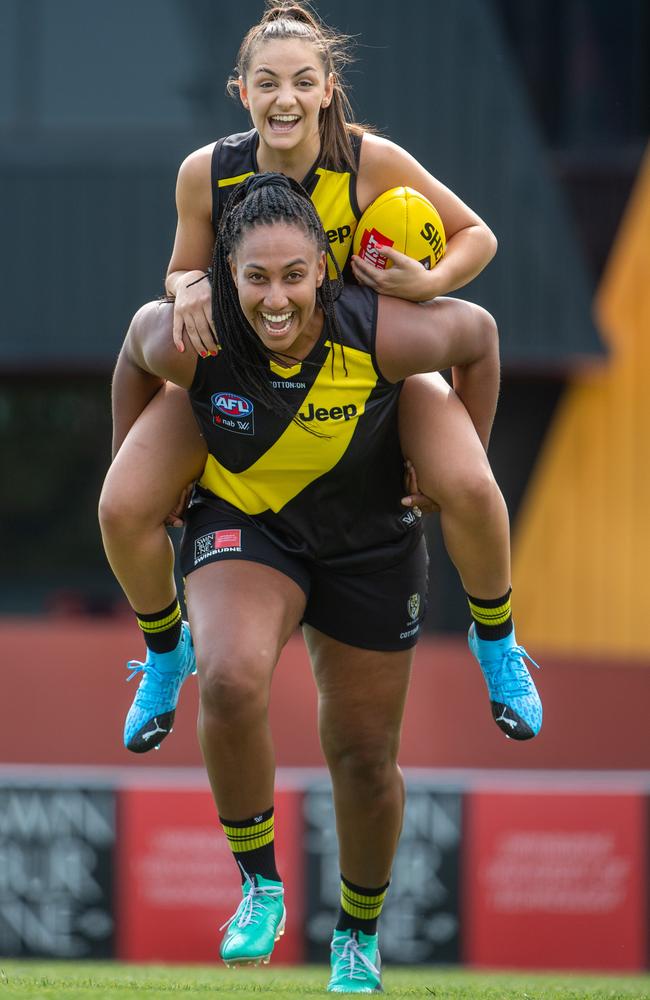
[537, 114]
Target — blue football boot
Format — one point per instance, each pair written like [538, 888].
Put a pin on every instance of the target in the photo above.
[516, 706]
[151, 715]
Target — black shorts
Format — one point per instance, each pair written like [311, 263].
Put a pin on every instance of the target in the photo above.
[381, 610]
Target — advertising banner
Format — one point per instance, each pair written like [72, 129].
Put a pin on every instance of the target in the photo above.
[555, 880]
[420, 919]
[56, 868]
[178, 882]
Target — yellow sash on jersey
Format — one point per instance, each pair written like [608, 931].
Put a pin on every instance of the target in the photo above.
[229, 181]
[331, 198]
[297, 458]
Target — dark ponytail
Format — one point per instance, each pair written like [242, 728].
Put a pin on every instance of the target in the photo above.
[263, 200]
[283, 19]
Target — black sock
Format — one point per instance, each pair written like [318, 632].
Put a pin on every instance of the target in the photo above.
[492, 618]
[252, 842]
[360, 907]
[162, 631]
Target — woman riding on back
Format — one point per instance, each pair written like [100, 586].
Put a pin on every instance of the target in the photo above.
[289, 77]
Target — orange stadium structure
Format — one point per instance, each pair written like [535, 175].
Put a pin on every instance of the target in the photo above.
[582, 545]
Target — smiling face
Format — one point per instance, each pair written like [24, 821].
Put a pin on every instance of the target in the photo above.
[277, 269]
[284, 89]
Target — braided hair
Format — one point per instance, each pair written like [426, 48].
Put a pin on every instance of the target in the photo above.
[263, 200]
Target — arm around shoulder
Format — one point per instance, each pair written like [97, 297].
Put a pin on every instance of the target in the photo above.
[150, 348]
[146, 360]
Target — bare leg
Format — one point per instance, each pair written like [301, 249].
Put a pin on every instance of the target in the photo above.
[241, 615]
[162, 453]
[360, 708]
[438, 436]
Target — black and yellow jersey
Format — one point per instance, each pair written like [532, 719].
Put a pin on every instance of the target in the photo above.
[332, 495]
[332, 191]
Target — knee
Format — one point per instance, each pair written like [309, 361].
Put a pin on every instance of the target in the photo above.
[366, 764]
[112, 510]
[233, 688]
[119, 516]
[486, 325]
[470, 491]
[129, 506]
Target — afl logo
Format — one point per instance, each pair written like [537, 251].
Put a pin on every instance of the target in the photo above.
[231, 412]
[232, 405]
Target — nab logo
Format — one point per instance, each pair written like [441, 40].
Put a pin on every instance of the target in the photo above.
[232, 412]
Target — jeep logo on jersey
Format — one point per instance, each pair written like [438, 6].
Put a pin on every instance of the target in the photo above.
[232, 412]
[339, 235]
[345, 412]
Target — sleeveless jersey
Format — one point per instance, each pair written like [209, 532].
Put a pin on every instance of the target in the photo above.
[333, 495]
[333, 192]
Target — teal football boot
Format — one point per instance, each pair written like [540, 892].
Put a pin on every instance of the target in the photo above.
[356, 963]
[257, 923]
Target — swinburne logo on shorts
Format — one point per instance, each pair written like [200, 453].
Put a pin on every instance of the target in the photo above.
[216, 543]
[232, 412]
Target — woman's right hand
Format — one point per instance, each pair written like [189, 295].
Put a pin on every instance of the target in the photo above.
[418, 502]
[193, 314]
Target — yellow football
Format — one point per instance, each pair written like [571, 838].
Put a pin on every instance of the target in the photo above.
[401, 218]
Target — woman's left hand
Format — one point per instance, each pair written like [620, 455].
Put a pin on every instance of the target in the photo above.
[406, 279]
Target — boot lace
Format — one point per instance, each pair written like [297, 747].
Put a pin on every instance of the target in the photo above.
[165, 687]
[252, 907]
[512, 676]
[354, 963]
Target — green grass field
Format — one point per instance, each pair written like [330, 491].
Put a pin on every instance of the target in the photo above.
[84, 980]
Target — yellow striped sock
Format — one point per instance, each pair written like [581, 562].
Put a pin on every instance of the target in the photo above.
[249, 837]
[366, 905]
[161, 624]
[493, 618]
[162, 630]
[253, 845]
